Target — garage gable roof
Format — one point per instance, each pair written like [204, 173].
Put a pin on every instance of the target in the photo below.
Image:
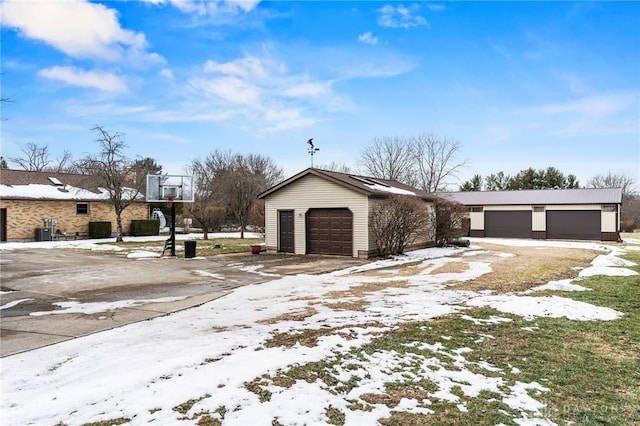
[538, 196]
[372, 187]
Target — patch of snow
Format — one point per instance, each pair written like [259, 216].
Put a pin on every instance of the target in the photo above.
[143, 255]
[96, 307]
[14, 303]
[552, 307]
[561, 285]
[481, 321]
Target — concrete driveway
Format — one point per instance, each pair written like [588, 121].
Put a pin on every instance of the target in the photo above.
[52, 295]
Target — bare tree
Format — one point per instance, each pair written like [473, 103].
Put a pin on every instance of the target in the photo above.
[426, 160]
[397, 222]
[435, 161]
[245, 178]
[613, 180]
[208, 208]
[389, 158]
[64, 163]
[231, 181]
[630, 211]
[335, 166]
[35, 159]
[111, 170]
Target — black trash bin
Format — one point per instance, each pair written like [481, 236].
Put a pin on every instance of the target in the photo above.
[189, 249]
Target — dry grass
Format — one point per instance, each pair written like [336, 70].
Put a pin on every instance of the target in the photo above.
[451, 268]
[406, 269]
[310, 337]
[528, 267]
[291, 316]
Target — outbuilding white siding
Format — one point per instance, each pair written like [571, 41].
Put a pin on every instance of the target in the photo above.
[314, 192]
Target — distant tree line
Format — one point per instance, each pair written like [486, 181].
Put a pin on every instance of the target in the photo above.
[550, 178]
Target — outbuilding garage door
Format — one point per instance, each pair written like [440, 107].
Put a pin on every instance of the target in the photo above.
[573, 224]
[330, 231]
[507, 224]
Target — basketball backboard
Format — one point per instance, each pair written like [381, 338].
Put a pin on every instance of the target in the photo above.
[162, 187]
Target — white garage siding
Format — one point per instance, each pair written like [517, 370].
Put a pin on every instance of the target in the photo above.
[314, 192]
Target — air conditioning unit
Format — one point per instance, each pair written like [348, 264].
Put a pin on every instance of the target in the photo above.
[43, 234]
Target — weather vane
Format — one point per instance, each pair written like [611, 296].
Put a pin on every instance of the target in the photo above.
[312, 150]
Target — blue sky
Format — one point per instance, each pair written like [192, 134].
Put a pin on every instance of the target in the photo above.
[518, 84]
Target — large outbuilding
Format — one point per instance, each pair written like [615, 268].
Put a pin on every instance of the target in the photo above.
[326, 212]
[568, 214]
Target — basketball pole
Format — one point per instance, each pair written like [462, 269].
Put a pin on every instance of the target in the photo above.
[173, 229]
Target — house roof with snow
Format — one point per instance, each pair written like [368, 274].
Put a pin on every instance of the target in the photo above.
[537, 196]
[31, 185]
[372, 187]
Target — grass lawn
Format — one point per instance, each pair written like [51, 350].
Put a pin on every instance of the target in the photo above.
[588, 372]
[203, 247]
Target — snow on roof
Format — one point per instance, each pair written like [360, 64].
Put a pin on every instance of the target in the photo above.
[390, 189]
[50, 192]
[538, 196]
[30, 185]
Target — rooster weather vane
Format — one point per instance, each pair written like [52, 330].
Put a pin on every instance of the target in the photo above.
[312, 150]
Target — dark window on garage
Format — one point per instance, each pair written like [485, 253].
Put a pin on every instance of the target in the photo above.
[82, 208]
[538, 209]
[475, 209]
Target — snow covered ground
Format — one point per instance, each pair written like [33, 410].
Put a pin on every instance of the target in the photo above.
[206, 354]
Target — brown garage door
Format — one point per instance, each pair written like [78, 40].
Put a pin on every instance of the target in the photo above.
[573, 224]
[330, 231]
[507, 224]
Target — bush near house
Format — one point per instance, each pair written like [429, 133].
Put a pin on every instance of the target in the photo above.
[397, 222]
[141, 228]
[449, 220]
[99, 229]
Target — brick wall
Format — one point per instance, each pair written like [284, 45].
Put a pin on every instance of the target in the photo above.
[24, 216]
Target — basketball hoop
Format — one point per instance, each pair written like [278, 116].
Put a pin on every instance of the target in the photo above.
[170, 199]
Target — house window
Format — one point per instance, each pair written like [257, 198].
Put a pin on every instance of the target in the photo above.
[475, 209]
[609, 209]
[538, 209]
[82, 208]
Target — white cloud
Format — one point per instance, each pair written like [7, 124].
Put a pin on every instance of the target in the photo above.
[77, 28]
[265, 93]
[368, 38]
[400, 17]
[308, 89]
[602, 114]
[167, 73]
[594, 106]
[211, 7]
[104, 81]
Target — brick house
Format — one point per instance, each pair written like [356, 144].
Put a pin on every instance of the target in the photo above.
[29, 200]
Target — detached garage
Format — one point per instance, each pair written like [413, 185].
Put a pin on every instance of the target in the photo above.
[568, 214]
[327, 213]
